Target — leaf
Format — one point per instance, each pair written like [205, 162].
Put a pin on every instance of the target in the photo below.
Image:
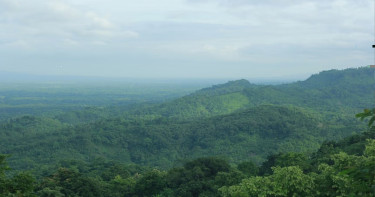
[367, 113]
[371, 121]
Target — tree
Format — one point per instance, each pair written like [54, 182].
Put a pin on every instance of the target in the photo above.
[151, 183]
[248, 168]
[21, 184]
[367, 113]
[287, 181]
[350, 175]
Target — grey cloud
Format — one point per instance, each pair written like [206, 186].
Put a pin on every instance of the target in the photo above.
[43, 23]
[232, 36]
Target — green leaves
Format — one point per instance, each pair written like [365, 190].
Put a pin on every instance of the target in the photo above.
[349, 175]
[287, 181]
[21, 184]
[367, 113]
[3, 165]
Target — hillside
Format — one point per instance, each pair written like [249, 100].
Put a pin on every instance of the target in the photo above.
[238, 120]
[250, 134]
[193, 143]
[343, 168]
[335, 91]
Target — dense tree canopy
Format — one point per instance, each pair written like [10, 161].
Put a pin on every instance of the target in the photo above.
[233, 139]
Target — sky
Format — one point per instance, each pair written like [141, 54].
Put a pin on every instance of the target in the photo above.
[185, 38]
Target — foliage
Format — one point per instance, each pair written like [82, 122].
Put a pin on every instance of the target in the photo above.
[367, 113]
[287, 181]
[329, 92]
[79, 141]
[253, 133]
[350, 175]
[21, 184]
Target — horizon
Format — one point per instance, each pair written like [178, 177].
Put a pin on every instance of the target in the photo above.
[21, 77]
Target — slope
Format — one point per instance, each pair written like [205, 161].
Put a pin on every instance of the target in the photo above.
[250, 134]
[336, 91]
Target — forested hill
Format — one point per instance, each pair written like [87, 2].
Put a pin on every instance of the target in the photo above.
[333, 91]
[347, 77]
[239, 121]
[343, 168]
[227, 88]
[250, 134]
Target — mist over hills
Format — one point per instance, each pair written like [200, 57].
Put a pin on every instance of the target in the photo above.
[19, 77]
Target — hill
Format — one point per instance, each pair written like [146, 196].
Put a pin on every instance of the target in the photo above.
[336, 91]
[343, 168]
[250, 134]
[238, 120]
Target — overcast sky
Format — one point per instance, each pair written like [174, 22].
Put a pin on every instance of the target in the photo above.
[185, 38]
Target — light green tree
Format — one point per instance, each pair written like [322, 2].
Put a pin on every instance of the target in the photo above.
[286, 181]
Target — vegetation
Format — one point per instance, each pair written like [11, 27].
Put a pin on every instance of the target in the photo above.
[233, 139]
[56, 99]
[329, 92]
[334, 170]
[254, 133]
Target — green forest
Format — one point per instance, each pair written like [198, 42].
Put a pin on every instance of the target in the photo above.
[307, 138]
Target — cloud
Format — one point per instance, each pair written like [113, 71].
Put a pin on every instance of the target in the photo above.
[18, 44]
[99, 21]
[41, 24]
[171, 34]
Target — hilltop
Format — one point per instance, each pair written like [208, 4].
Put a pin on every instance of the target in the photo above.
[335, 91]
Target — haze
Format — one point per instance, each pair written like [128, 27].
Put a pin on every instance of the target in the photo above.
[184, 38]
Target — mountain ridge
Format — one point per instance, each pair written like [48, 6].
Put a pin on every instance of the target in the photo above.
[350, 92]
